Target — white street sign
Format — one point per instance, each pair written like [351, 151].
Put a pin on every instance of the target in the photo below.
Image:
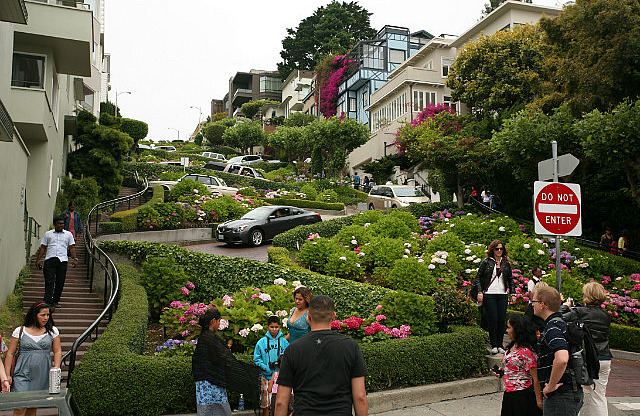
[566, 164]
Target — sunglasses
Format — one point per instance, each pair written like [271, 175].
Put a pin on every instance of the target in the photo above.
[499, 248]
[536, 301]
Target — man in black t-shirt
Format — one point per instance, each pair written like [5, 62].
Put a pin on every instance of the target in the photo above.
[325, 369]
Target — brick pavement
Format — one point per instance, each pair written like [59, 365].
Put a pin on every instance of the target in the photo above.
[624, 380]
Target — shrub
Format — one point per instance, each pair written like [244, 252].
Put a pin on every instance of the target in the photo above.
[419, 360]
[315, 253]
[426, 209]
[293, 239]
[280, 255]
[369, 217]
[309, 191]
[160, 216]
[391, 227]
[247, 191]
[528, 252]
[170, 176]
[111, 226]
[303, 203]
[382, 252]
[624, 337]
[473, 228]
[129, 218]
[448, 242]
[328, 195]
[162, 279]
[223, 208]
[409, 308]
[453, 307]
[350, 233]
[412, 275]
[187, 187]
[83, 192]
[344, 265]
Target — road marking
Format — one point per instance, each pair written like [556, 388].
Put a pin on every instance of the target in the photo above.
[627, 406]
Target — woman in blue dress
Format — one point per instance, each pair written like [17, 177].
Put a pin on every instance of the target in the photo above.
[209, 367]
[297, 322]
[38, 337]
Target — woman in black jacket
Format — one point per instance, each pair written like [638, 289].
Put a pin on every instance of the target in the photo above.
[493, 279]
[598, 321]
[208, 366]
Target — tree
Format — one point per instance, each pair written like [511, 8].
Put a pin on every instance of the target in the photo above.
[382, 168]
[298, 119]
[198, 139]
[444, 145]
[291, 141]
[218, 116]
[613, 139]
[333, 139]
[83, 192]
[138, 130]
[498, 72]
[494, 4]
[214, 132]
[593, 55]
[251, 108]
[331, 29]
[244, 135]
[101, 154]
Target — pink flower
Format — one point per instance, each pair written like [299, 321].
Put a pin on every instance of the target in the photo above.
[191, 285]
[193, 323]
[335, 325]
[441, 279]
[184, 290]
[186, 333]
[369, 330]
[182, 319]
[380, 318]
[379, 307]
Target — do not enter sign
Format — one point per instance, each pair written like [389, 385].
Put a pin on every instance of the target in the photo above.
[557, 209]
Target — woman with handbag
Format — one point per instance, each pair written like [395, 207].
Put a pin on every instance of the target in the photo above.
[29, 357]
[493, 281]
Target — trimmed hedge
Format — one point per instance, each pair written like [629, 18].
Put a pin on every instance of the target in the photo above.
[129, 218]
[114, 379]
[293, 239]
[420, 360]
[625, 338]
[304, 203]
[216, 276]
[111, 226]
[426, 209]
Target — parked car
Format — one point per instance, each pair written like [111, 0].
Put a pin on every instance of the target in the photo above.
[212, 183]
[263, 223]
[246, 159]
[235, 169]
[212, 155]
[397, 195]
[166, 148]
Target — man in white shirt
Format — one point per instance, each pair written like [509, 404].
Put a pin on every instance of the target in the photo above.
[56, 244]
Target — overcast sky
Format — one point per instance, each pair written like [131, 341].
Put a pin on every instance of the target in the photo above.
[172, 55]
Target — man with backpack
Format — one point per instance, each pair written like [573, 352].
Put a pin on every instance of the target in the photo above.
[559, 395]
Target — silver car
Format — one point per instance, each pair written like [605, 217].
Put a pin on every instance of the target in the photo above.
[212, 183]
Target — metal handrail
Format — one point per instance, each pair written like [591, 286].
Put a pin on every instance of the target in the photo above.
[111, 276]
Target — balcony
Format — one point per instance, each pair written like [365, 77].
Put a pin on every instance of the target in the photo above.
[13, 11]
[67, 31]
[31, 113]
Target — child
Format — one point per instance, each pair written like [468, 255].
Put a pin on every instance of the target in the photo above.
[522, 394]
[266, 355]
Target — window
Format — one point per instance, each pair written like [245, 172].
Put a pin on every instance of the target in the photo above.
[446, 65]
[27, 71]
[365, 98]
[396, 56]
[447, 101]
[270, 84]
[418, 100]
[431, 98]
[352, 104]
[429, 64]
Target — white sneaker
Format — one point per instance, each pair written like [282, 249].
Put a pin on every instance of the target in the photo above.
[501, 351]
[494, 350]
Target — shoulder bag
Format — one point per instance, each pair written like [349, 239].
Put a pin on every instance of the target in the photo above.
[16, 354]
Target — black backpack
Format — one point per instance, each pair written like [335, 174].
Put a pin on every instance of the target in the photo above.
[584, 365]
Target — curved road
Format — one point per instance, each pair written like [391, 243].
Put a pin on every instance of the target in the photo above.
[223, 249]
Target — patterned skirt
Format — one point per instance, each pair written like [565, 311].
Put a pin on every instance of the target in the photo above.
[211, 400]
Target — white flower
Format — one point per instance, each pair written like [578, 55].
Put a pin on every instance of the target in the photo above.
[501, 229]
[525, 245]
[467, 251]
[540, 252]
[357, 264]
[256, 327]
[539, 241]
[343, 258]
[468, 271]
[296, 283]
[406, 250]
[354, 242]
[451, 225]
[366, 224]
[280, 281]
[224, 324]
[477, 261]
[420, 260]
[195, 191]
[469, 214]
[577, 249]
[407, 244]
[432, 266]
[361, 254]
[405, 257]
[281, 313]
[264, 297]
[244, 332]
[285, 321]
[470, 258]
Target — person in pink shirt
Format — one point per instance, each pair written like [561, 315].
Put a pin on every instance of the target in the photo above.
[522, 394]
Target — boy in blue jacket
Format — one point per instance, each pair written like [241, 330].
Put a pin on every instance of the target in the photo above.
[266, 354]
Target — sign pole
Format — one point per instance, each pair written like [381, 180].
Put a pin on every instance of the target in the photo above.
[554, 151]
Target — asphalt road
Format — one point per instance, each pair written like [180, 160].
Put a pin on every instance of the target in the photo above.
[223, 249]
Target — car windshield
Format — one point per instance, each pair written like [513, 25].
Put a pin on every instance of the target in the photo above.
[236, 159]
[259, 174]
[260, 213]
[408, 192]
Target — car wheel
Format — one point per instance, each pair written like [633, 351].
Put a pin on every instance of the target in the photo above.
[256, 237]
[371, 207]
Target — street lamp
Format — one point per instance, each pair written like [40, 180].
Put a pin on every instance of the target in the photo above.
[116, 109]
[199, 115]
[172, 128]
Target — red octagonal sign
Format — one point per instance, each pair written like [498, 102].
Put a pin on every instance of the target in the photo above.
[557, 208]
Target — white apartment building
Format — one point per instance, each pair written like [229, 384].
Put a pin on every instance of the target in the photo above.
[294, 90]
[45, 49]
[420, 80]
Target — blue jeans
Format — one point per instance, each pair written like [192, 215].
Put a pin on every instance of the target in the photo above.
[496, 310]
[563, 404]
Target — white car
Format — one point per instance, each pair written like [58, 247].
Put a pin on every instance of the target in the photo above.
[212, 183]
[212, 155]
[246, 159]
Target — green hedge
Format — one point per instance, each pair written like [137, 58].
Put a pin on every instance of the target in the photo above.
[420, 360]
[114, 379]
[294, 238]
[625, 338]
[304, 203]
[111, 226]
[426, 209]
[148, 169]
[129, 218]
